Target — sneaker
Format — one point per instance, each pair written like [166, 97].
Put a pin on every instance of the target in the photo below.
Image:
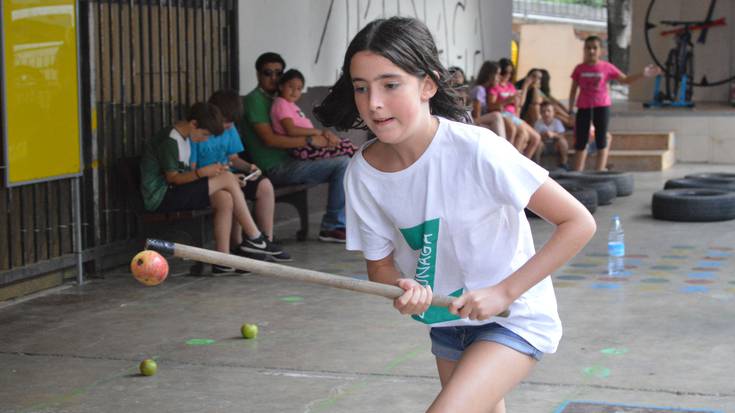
[223, 269]
[336, 235]
[282, 257]
[261, 245]
[254, 256]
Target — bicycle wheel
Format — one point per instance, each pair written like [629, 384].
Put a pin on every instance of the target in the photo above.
[689, 71]
[671, 72]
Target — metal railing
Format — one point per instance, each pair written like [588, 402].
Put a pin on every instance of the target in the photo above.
[540, 9]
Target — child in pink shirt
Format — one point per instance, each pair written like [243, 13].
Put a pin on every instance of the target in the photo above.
[504, 93]
[591, 77]
[287, 119]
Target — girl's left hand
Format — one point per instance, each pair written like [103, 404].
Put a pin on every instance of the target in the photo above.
[481, 304]
[333, 139]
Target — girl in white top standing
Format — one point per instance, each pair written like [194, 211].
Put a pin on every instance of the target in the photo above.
[443, 201]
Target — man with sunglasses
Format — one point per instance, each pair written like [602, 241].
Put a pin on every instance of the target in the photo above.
[269, 150]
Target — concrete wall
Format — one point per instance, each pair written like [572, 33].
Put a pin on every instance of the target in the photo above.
[553, 47]
[716, 57]
[312, 36]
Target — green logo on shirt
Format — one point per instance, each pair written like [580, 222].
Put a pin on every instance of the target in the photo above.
[424, 238]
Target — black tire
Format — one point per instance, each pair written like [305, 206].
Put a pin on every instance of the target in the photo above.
[606, 190]
[683, 183]
[720, 176]
[557, 173]
[623, 180]
[586, 196]
[693, 205]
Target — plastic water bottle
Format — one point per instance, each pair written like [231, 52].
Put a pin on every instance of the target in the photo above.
[615, 248]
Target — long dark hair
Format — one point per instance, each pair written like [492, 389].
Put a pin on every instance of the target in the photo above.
[504, 64]
[408, 44]
[488, 70]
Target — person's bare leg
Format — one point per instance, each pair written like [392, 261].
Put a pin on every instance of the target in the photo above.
[601, 161]
[235, 233]
[510, 130]
[602, 155]
[563, 147]
[228, 182]
[533, 142]
[480, 380]
[221, 202]
[445, 368]
[265, 205]
[521, 138]
[580, 157]
[494, 122]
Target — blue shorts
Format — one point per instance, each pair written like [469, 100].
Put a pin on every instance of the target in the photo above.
[449, 342]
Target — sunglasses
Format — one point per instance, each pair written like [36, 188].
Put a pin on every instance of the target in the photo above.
[271, 72]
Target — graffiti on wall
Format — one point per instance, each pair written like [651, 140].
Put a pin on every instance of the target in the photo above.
[456, 26]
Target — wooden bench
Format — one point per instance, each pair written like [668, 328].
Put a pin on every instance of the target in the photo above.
[128, 169]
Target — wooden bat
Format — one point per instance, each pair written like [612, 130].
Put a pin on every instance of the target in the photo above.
[290, 273]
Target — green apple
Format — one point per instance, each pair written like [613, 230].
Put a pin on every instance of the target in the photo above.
[249, 330]
[148, 367]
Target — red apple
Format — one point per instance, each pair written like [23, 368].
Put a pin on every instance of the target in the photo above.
[149, 267]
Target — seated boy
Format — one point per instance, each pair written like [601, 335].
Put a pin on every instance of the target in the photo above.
[224, 149]
[169, 184]
[552, 133]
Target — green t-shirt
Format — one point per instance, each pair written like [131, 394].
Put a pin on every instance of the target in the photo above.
[161, 154]
[258, 110]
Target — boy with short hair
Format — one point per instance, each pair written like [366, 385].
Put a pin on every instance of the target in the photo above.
[552, 133]
[225, 149]
[169, 184]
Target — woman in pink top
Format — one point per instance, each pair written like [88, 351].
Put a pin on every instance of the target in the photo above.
[527, 140]
[287, 119]
[593, 104]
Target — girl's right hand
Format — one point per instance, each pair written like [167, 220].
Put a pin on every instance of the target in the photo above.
[415, 300]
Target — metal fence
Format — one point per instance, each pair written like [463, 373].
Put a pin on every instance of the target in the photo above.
[594, 11]
[143, 62]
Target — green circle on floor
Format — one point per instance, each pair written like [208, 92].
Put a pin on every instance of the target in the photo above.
[292, 299]
[200, 341]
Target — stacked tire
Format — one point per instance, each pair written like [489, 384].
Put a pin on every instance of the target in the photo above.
[703, 197]
[593, 189]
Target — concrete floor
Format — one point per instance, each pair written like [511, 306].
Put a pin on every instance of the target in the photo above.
[663, 336]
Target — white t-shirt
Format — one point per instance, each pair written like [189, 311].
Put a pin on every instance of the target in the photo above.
[454, 219]
[183, 144]
[555, 126]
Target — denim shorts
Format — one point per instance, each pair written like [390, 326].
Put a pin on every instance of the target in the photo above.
[513, 118]
[449, 342]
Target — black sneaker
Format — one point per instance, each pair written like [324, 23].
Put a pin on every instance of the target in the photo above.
[282, 257]
[261, 245]
[223, 269]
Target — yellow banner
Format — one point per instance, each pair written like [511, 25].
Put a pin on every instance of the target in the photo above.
[41, 105]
